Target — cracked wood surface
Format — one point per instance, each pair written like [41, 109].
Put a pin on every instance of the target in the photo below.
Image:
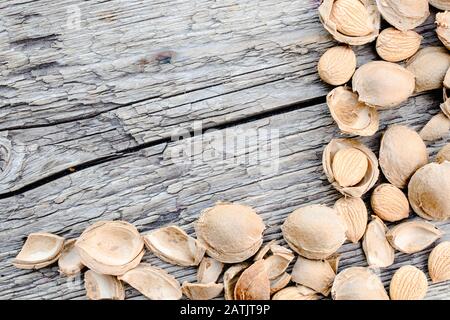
[159, 186]
[124, 52]
[133, 74]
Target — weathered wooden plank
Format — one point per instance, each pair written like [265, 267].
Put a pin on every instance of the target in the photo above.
[39, 152]
[255, 63]
[134, 51]
[239, 66]
[125, 52]
[149, 188]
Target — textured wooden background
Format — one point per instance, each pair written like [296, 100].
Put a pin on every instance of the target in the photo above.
[92, 92]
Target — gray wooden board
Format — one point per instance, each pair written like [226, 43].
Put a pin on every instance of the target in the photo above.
[107, 97]
[72, 95]
[152, 188]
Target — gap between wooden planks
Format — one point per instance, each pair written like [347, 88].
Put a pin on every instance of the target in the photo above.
[126, 79]
[149, 190]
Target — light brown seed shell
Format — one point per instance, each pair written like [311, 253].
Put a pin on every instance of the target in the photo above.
[263, 251]
[278, 262]
[404, 14]
[352, 116]
[408, 283]
[440, 4]
[103, 287]
[382, 84]
[286, 253]
[428, 191]
[69, 261]
[402, 152]
[108, 269]
[175, 246]
[230, 277]
[437, 128]
[389, 203]
[201, 291]
[40, 250]
[152, 282]
[35, 266]
[349, 166]
[253, 284]
[354, 22]
[394, 45]
[377, 249]
[443, 27]
[354, 212]
[443, 154]
[314, 231]
[279, 283]
[445, 108]
[296, 293]
[370, 177]
[276, 265]
[413, 236]
[337, 65]
[231, 233]
[315, 274]
[209, 270]
[429, 66]
[110, 247]
[439, 263]
[358, 283]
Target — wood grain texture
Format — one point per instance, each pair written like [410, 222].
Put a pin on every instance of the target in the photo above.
[155, 66]
[124, 52]
[39, 150]
[152, 188]
[107, 98]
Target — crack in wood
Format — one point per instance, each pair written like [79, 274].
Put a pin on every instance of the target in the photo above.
[34, 41]
[147, 99]
[124, 152]
[70, 168]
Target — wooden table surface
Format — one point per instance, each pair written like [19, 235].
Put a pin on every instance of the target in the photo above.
[93, 92]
